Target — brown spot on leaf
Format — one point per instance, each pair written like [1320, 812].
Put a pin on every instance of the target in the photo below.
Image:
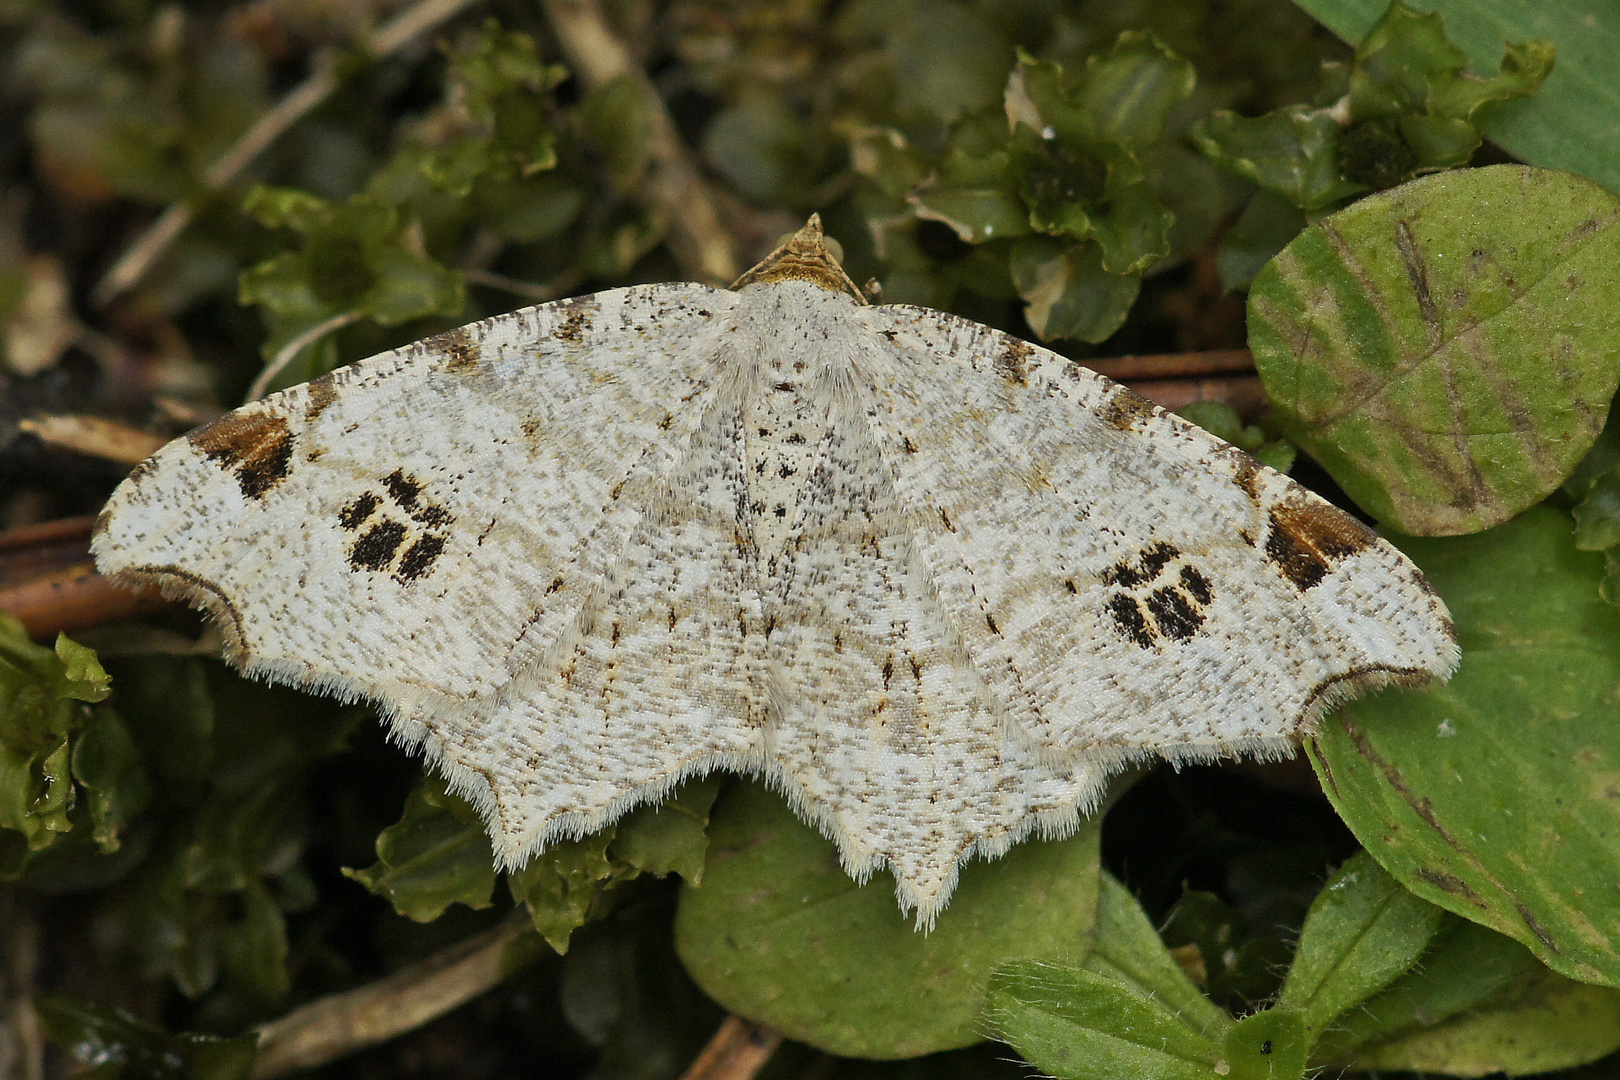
[255, 444]
[1308, 539]
[376, 547]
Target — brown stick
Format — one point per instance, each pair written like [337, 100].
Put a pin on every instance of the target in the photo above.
[674, 185]
[139, 257]
[330, 1027]
[737, 1051]
[1174, 365]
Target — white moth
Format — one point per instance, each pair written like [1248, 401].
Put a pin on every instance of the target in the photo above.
[934, 583]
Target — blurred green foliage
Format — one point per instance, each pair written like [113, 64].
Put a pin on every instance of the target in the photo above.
[206, 845]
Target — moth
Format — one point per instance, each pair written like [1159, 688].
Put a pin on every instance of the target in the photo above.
[932, 582]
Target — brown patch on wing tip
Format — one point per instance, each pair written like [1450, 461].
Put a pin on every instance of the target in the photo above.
[1247, 476]
[460, 351]
[1012, 362]
[1125, 408]
[1308, 539]
[255, 444]
[322, 392]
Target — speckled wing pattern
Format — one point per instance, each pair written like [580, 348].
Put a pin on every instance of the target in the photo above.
[934, 583]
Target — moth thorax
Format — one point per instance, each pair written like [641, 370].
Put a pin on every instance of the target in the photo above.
[783, 431]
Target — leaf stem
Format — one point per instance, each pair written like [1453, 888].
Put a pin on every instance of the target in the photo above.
[340, 1024]
[673, 184]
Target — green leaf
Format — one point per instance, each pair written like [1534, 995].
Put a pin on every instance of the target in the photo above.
[1269, 1045]
[436, 855]
[1495, 795]
[1407, 109]
[44, 694]
[1363, 931]
[107, 767]
[564, 884]
[779, 933]
[358, 256]
[1265, 227]
[1292, 152]
[1077, 1024]
[1547, 1023]
[123, 1046]
[498, 127]
[669, 837]
[1465, 967]
[1449, 366]
[1073, 149]
[1129, 950]
[1573, 121]
[1066, 291]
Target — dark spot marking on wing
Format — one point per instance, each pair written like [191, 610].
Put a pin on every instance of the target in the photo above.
[1146, 566]
[888, 672]
[406, 490]
[322, 392]
[946, 518]
[419, 557]
[916, 668]
[255, 444]
[376, 547]
[990, 621]
[361, 508]
[911, 447]
[556, 583]
[530, 428]
[459, 349]
[1128, 617]
[1012, 362]
[574, 324]
[1197, 585]
[1247, 476]
[1124, 408]
[1176, 618]
[1070, 585]
[1308, 539]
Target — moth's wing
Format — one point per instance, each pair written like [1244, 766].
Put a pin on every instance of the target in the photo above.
[1126, 581]
[400, 529]
[888, 737]
[660, 674]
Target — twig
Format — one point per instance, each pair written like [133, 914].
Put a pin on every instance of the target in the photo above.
[737, 1051]
[340, 1024]
[696, 237]
[139, 257]
[287, 352]
[529, 290]
[1174, 365]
